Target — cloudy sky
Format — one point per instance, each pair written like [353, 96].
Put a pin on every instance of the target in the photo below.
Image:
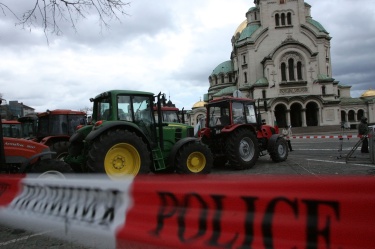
[168, 46]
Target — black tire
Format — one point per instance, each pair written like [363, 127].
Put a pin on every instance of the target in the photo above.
[61, 149]
[194, 158]
[51, 168]
[242, 149]
[119, 153]
[279, 150]
[220, 162]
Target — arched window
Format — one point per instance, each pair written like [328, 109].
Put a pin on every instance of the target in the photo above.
[291, 69]
[283, 72]
[277, 20]
[289, 18]
[360, 114]
[299, 70]
[351, 115]
[282, 19]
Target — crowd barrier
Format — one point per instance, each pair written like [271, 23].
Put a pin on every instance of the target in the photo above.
[211, 211]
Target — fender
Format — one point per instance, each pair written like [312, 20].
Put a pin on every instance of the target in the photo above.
[272, 142]
[108, 125]
[177, 147]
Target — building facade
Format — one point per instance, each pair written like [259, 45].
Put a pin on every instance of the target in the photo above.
[282, 55]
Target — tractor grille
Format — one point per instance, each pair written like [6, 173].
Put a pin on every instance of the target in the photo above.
[178, 134]
[190, 132]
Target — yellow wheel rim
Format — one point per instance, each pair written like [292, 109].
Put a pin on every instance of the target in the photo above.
[122, 160]
[196, 162]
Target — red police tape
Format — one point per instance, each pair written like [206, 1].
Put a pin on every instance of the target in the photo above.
[212, 211]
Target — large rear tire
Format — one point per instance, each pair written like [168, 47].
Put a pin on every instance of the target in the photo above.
[279, 151]
[194, 158]
[119, 153]
[242, 149]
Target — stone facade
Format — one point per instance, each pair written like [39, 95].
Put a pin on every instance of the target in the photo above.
[282, 55]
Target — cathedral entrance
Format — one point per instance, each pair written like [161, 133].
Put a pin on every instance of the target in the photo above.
[296, 115]
[312, 111]
[280, 115]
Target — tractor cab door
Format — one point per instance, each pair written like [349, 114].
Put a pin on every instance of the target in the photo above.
[143, 115]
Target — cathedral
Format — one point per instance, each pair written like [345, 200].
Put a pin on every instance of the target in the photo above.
[281, 56]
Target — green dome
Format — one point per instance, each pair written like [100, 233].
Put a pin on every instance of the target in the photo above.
[248, 31]
[317, 25]
[224, 68]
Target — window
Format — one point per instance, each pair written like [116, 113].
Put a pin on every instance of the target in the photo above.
[255, 15]
[289, 18]
[245, 76]
[244, 59]
[264, 94]
[299, 70]
[283, 19]
[230, 77]
[282, 1]
[215, 80]
[291, 69]
[283, 72]
[222, 78]
[323, 90]
[277, 21]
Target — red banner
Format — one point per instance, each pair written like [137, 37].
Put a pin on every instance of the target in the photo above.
[235, 211]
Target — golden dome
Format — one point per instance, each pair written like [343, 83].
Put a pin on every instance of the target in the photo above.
[368, 93]
[199, 104]
[241, 27]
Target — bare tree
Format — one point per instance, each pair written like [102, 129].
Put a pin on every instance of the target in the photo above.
[49, 13]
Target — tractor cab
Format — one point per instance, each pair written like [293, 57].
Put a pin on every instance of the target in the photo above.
[230, 111]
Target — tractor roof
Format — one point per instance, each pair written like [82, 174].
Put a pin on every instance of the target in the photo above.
[231, 99]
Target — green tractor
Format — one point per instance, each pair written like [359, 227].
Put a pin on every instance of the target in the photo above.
[123, 139]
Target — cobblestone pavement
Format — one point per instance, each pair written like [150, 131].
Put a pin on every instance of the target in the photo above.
[319, 158]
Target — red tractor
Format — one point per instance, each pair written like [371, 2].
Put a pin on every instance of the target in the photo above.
[235, 134]
[53, 128]
[20, 156]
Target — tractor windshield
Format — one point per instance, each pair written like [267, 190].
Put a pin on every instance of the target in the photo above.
[11, 130]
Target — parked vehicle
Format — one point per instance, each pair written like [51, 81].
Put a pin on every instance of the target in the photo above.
[124, 139]
[235, 134]
[20, 156]
[53, 128]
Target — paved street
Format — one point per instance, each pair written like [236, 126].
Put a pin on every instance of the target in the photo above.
[319, 158]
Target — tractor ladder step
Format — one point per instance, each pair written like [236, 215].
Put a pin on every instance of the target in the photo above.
[158, 159]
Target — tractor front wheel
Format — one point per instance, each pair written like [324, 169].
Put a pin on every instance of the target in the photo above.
[194, 158]
[119, 153]
[279, 151]
[242, 149]
[51, 168]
